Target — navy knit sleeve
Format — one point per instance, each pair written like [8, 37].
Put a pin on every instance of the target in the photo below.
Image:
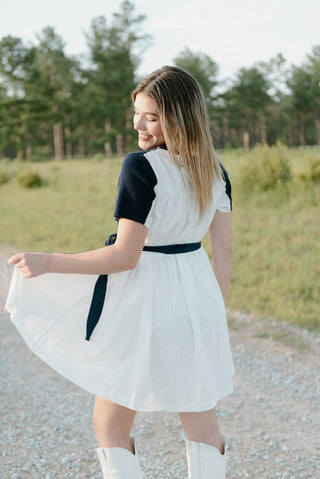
[225, 203]
[135, 188]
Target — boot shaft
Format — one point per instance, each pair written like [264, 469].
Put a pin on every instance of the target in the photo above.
[205, 461]
[119, 463]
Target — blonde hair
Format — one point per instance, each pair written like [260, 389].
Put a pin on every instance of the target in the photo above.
[184, 122]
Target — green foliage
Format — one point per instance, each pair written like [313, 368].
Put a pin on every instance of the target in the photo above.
[250, 90]
[12, 59]
[30, 179]
[202, 67]
[98, 157]
[113, 53]
[73, 213]
[309, 171]
[246, 106]
[265, 168]
[52, 104]
[276, 245]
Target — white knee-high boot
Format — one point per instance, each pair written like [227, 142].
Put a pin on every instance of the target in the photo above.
[119, 463]
[205, 461]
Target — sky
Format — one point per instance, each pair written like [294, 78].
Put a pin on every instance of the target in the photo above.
[234, 33]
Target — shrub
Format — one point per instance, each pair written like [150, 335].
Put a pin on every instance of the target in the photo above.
[3, 177]
[265, 168]
[30, 179]
[98, 157]
[310, 171]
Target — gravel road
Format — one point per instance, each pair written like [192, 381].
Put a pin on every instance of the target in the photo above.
[272, 419]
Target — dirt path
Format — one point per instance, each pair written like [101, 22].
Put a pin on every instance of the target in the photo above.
[272, 419]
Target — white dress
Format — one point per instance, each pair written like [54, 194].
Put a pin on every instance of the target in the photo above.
[162, 341]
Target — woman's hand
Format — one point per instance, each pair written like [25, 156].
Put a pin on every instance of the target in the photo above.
[31, 264]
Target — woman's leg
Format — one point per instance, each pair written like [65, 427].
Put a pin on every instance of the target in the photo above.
[206, 448]
[117, 453]
[203, 427]
[112, 424]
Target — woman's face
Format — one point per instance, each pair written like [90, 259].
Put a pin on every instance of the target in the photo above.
[147, 122]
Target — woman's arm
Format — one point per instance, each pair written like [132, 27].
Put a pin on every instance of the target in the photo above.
[121, 256]
[221, 242]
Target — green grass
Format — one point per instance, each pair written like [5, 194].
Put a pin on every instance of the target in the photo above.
[276, 233]
[72, 212]
[276, 237]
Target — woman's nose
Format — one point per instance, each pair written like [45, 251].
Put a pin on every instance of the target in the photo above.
[138, 122]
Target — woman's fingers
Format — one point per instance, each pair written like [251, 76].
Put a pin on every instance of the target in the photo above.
[16, 258]
[30, 264]
[19, 261]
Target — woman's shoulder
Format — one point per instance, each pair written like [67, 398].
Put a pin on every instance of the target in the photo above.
[133, 157]
[145, 161]
[136, 165]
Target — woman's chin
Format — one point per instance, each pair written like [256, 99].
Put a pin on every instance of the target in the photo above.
[145, 145]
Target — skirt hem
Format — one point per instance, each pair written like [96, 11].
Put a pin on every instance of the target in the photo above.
[141, 406]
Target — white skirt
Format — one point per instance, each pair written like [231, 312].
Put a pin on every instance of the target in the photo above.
[162, 340]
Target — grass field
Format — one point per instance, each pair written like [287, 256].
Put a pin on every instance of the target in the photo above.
[276, 232]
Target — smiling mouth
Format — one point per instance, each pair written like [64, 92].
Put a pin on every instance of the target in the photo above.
[144, 137]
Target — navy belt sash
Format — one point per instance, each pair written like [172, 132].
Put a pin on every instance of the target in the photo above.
[100, 288]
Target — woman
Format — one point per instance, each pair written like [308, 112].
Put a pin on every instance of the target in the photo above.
[157, 339]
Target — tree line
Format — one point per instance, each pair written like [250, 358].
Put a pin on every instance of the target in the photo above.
[55, 105]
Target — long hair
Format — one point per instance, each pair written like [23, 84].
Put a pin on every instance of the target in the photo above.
[184, 122]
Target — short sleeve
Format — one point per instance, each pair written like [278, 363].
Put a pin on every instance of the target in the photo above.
[225, 198]
[135, 188]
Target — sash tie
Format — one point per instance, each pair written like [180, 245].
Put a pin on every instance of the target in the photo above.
[100, 287]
